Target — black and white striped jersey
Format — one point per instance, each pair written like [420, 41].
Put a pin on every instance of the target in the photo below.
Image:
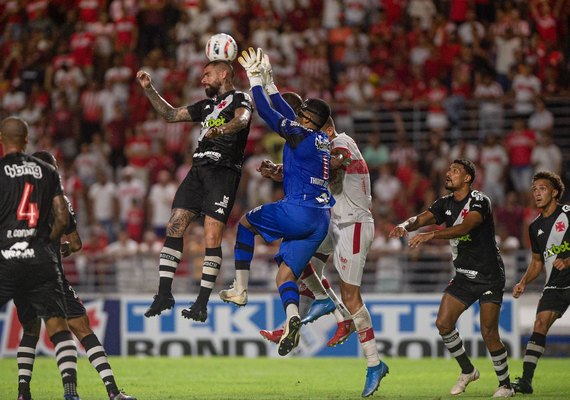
[476, 254]
[550, 237]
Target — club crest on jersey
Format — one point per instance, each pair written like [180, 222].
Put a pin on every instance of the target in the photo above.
[560, 226]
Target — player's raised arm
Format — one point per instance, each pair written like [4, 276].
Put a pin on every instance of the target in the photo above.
[251, 61]
[162, 107]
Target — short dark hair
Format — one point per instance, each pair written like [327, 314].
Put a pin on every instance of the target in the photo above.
[468, 166]
[319, 109]
[554, 180]
[45, 156]
[293, 99]
[224, 64]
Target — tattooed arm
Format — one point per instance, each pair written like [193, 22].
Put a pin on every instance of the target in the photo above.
[165, 110]
[236, 124]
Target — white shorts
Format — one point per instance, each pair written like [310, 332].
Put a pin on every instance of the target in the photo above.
[349, 244]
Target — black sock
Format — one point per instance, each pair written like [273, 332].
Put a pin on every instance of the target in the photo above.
[98, 358]
[534, 350]
[170, 256]
[210, 270]
[454, 344]
[26, 357]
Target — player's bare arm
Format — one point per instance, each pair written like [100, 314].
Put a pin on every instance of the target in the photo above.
[412, 224]
[60, 218]
[470, 222]
[238, 123]
[270, 170]
[339, 157]
[532, 272]
[162, 107]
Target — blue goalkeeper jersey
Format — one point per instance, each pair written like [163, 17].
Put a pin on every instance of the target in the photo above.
[306, 157]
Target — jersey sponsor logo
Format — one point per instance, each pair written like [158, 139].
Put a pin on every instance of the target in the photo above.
[448, 212]
[487, 293]
[213, 122]
[18, 250]
[560, 226]
[28, 168]
[540, 232]
[464, 238]
[286, 121]
[319, 182]
[554, 250]
[20, 233]
[220, 211]
[323, 143]
[477, 194]
[467, 272]
[565, 208]
[214, 155]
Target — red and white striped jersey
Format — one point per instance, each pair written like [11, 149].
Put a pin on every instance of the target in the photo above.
[351, 187]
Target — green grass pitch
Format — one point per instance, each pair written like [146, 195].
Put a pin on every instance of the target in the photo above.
[272, 378]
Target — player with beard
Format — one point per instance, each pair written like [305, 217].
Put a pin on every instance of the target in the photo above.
[550, 241]
[209, 188]
[480, 273]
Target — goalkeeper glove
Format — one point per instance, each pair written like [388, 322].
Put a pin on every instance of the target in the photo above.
[270, 87]
[251, 60]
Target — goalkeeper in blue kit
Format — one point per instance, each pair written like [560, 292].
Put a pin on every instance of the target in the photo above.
[301, 218]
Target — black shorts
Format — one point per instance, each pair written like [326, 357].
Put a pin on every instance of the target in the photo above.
[208, 190]
[469, 292]
[74, 306]
[556, 300]
[39, 284]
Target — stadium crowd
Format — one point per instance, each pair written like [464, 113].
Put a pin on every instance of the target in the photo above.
[68, 69]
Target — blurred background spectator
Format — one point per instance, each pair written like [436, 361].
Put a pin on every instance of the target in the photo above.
[415, 82]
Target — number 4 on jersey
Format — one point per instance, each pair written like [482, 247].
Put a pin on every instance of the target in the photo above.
[26, 210]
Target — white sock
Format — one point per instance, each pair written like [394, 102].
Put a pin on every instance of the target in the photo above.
[363, 324]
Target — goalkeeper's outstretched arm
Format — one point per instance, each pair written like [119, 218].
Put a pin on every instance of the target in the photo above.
[268, 114]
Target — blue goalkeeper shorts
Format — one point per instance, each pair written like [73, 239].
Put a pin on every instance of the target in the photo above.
[301, 228]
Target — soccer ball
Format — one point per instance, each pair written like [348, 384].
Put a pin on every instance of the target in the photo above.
[221, 46]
